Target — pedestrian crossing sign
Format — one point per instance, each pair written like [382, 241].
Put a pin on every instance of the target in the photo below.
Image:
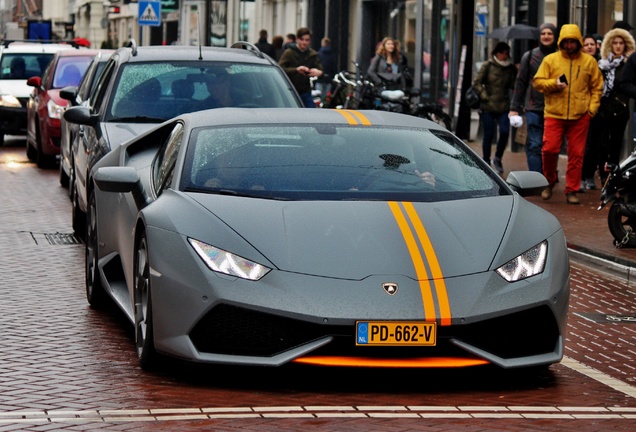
[149, 13]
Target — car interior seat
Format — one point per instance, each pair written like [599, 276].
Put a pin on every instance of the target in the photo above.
[69, 76]
[182, 89]
[142, 100]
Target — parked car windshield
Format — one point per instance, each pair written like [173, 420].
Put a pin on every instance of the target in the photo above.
[70, 70]
[24, 66]
[162, 90]
[337, 163]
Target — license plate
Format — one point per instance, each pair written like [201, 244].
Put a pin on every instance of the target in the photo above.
[396, 333]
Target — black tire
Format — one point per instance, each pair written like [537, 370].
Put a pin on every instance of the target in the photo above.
[64, 178]
[621, 225]
[78, 217]
[144, 336]
[71, 181]
[95, 293]
[1, 138]
[41, 160]
[31, 152]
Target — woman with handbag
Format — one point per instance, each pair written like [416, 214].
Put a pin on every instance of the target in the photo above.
[613, 113]
[494, 82]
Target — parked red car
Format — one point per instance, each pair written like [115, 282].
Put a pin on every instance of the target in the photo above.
[45, 106]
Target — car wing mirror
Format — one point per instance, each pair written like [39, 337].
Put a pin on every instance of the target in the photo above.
[35, 81]
[527, 183]
[121, 180]
[69, 93]
[80, 115]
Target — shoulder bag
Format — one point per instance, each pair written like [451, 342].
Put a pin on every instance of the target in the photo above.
[472, 95]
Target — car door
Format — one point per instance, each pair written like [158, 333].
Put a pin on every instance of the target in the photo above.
[88, 137]
[36, 110]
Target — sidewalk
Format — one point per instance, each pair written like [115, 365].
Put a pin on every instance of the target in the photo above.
[585, 227]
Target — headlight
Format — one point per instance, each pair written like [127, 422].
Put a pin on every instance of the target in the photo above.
[9, 101]
[529, 263]
[55, 110]
[222, 261]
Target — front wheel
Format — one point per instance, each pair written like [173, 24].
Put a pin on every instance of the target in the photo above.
[64, 178]
[95, 293]
[622, 225]
[143, 307]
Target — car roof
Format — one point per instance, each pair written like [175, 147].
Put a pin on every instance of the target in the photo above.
[34, 47]
[193, 53]
[300, 116]
[82, 52]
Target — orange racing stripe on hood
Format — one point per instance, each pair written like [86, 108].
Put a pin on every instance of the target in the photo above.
[413, 244]
[354, 117]
[361, 117]
[433, 263]
[418, 262]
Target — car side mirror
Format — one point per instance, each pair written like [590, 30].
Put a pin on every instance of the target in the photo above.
[527, 183]
[80, 115]
[121, 180]
[35, 81]
[69, 93]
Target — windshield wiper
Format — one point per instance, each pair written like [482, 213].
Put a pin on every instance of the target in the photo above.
[137, 119]
[231, 192]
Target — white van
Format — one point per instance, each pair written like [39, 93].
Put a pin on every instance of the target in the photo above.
[19, 61]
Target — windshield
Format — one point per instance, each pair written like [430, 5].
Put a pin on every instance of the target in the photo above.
[24, 66]
[162, 90]
[316, 162]
[70, 70]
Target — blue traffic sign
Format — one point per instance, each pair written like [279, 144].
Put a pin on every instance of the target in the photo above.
[149, 13]
[481, 25]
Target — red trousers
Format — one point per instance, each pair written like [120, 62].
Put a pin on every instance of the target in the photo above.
[575, 132]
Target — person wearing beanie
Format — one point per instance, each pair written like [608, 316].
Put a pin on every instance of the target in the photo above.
[571, 83]
[263, 45]
[622, 25]
[493, 82]
[525, 99]
[613, 113]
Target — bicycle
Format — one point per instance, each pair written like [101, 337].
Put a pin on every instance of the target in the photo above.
[341, 86]
[366, 95]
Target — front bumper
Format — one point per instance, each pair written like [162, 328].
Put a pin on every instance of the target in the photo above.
[507, 341]
[13, 121]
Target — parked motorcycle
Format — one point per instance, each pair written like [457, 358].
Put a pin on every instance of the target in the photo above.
[385, 97]
[620, 190]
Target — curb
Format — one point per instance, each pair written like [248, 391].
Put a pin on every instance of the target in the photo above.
[615, 266]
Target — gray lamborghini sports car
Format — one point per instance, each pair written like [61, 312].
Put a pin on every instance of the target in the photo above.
[328, 237]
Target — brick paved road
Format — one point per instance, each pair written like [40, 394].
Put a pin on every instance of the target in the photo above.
[66, 366]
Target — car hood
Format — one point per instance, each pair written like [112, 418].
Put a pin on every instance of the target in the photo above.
[119, 133]
[352, 240]
[17, 88]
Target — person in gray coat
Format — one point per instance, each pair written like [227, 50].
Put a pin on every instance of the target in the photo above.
[525, 99]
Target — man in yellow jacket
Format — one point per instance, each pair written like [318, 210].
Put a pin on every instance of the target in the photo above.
[572, 85]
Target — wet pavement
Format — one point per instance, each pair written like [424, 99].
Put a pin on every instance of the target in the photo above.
[66, 366]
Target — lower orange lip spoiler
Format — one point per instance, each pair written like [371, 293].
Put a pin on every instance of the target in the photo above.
[416, 362]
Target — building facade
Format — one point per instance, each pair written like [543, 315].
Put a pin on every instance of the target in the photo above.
[443, 40]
